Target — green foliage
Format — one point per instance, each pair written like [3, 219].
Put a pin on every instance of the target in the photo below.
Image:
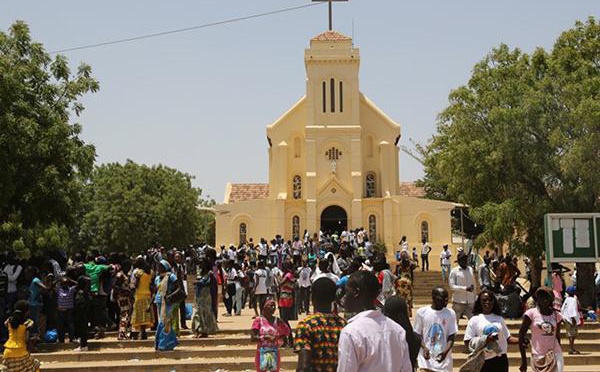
[522, 139]
[130, 207]
[42, 159]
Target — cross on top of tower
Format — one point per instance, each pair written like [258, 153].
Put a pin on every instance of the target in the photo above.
[330, 11]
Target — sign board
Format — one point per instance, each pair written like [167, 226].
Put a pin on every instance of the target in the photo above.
[572, 237]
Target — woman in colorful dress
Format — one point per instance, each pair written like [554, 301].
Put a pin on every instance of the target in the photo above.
[269, 332]
[122, 295]
[204, 322]
[166, 283]
[286, 296]
[16, 357]
[404, 273]
[142, 316]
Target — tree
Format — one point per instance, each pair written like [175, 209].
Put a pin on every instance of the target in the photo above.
[522, 139]
[42, 159]
[129, 207]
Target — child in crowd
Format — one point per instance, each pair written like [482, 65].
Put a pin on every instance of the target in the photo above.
[570, 314]
[81, 311]
[16, 357]
[65, 294]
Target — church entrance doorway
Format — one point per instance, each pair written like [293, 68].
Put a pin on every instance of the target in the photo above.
[333, 219]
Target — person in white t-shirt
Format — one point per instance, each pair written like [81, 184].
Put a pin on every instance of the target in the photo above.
[445, 262]
[488, 323]
[323, 271]
[570, 314]
[437, 326]
[263, 250]
[425, 249]
[261, 279]
[304, 285]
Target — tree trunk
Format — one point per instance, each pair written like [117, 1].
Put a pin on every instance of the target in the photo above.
[586, 290]
[536, 272]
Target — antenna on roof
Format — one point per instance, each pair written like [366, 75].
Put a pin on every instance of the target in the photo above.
[352, 32]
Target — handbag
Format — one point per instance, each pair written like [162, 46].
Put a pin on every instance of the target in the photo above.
[268, 358]
[176, 296]
[547, 363]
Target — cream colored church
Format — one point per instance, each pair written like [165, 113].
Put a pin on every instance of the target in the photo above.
[333, 165]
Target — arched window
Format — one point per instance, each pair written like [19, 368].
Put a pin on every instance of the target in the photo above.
[243, 233]
[324, 97]
[372, 228]
[297, 187]
[370, 186]
[332, 93]
[341, 97]
[295, 226]
[425, 230]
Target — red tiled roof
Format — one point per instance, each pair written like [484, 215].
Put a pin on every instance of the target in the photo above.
[248, 191]
[330, 36]
[411, 189]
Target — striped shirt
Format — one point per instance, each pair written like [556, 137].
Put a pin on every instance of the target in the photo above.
[66, 297]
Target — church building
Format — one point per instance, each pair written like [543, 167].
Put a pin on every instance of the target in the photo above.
[333, 166]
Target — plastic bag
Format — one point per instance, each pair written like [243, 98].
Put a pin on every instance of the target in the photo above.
[269, 356]
[51, 336]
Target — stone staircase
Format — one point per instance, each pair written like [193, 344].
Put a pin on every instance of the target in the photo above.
[232, 350]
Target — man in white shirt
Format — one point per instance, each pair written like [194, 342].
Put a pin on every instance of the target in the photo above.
[261, 279]
[323, 271]
[403, 244]
[425, 249]
[437, 326]
[445, 262]
[263, 250]
[370, 341]
[304, 285]
[462, 283]
[13, 271]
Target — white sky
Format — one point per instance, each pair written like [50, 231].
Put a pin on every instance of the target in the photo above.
[200, 101]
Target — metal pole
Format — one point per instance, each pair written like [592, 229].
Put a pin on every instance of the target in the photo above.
[462, 232]
[330, 15]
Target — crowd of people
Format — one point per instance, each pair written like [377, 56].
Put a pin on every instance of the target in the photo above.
[361, 306]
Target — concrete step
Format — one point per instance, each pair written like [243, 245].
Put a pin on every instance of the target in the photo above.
[245, 348]
[167, 361]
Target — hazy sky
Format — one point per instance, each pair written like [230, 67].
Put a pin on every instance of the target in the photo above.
[200, 101]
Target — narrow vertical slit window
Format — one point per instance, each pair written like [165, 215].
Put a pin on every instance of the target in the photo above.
[332, 93]
[372, 228]
[324, 97]
[341, 97]
[295, 226]
[243, 233]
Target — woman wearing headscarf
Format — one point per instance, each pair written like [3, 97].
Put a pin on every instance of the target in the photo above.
[204, 322]
[333, 264]
[403, 283]
[544, 323]
[143, 316]
[396, 309]
[269, 332]
[166, 283]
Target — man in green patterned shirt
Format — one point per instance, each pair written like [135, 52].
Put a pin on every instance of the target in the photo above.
[317, 335]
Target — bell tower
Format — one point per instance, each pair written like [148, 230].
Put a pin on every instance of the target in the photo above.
[332, 80]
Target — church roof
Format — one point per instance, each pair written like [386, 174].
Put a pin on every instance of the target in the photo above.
[247, 191]
[411, 189]
[330, 36]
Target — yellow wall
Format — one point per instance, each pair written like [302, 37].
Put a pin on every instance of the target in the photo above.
[367, 139]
